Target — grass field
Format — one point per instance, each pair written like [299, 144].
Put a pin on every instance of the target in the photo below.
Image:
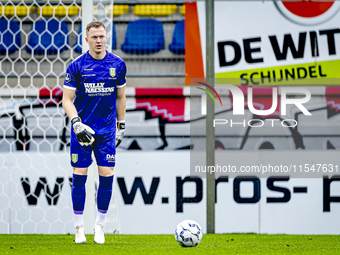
[166, 244]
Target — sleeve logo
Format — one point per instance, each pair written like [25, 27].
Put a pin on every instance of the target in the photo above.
[67, 77]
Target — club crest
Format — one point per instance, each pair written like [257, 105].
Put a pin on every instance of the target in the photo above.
[74, 158]
[113, 72]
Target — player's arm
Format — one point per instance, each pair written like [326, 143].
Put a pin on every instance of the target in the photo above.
[121, 109]
[70, 109]
[83, 132]
[121, 104]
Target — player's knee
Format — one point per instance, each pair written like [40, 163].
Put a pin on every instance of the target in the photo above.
[80, 171]
[105, 171]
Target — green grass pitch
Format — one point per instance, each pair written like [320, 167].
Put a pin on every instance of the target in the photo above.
[166, 244]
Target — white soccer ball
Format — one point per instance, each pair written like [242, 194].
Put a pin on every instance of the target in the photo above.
[188, 233]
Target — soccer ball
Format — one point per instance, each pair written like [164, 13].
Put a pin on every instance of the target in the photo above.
[188, 233]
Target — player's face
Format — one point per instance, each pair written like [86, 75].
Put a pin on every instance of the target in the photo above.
[96, 38]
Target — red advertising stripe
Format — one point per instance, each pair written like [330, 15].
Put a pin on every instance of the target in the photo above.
[159, 91]
[50, 95]
[333, 99]
[262, 100]
[167, 103]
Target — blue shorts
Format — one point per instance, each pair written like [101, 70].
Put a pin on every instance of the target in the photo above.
[104, 148]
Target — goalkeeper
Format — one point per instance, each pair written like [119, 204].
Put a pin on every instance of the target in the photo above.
[94, 100]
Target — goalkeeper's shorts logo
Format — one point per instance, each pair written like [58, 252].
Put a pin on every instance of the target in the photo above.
[110, 157]
[74, 158]
[113, 72]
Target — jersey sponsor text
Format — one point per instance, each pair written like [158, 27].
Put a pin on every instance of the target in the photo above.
[97, 88]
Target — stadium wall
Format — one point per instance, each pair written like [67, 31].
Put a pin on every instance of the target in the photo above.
[155, 191]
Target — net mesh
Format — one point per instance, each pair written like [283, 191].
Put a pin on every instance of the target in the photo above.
[35, 46]
[38, 40]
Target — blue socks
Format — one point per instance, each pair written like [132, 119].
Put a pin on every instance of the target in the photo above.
[104, 193]
[78, 193]
[103, 197]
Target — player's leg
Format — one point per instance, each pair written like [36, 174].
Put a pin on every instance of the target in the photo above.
[103, 201]
[80, 160]
[78, 200]
[78, 194]
[104, 150]
[104, 192]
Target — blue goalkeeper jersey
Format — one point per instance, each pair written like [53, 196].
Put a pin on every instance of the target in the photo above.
[95, 82]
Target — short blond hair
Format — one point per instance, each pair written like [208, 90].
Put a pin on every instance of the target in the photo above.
[95, 24]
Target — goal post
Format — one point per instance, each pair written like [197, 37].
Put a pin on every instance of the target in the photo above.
[90, 203]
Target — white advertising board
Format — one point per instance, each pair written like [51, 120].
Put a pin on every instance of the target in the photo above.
[154, 192]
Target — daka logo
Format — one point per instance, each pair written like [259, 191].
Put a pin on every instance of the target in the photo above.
[308, 12]
[110, 157]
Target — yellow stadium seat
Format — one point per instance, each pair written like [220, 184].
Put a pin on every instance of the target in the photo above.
[141, 10]
[182, 9]
[9, 10]
[117, 9]
[46, 11]
[154, 10]
[73, 10]
[60, 11]
[24, 10]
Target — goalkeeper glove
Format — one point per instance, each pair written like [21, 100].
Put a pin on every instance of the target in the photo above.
[120, 132]
[83, 132]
